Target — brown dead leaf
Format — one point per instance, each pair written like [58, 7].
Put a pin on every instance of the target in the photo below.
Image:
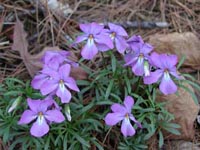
[78, 73]
[21, 45]
[185, 112]
[181, 44]
[32, 62]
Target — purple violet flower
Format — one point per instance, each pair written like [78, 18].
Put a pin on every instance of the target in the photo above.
[43, 76]
[166, 66]
[39, 111]
[53, 103]
[123, 113]
[118, 34]
[96, 38]
[53, 59]
[59, 82]
[135, 42]
[138, 57]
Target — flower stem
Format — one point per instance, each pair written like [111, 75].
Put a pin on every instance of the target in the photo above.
[106, 135]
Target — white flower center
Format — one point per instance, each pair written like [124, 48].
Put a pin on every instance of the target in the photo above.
[146, 69]
[141, 58]
[127, 116]
[166, 74]
[62, 85]
[40, 118]
[113, 35]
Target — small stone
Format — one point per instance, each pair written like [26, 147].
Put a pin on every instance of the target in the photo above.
[180, 145]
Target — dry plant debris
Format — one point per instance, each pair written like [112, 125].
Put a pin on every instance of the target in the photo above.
[46, 27]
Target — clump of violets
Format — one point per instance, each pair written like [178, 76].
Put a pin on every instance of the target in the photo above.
[138, 56]
[123, 113]
[59, 83]
[101, 39]
[165, 67]
[54, 78]
[45, 112]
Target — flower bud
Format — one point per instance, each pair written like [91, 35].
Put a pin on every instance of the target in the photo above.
[15, 104]
[67, 112]
[146, 69]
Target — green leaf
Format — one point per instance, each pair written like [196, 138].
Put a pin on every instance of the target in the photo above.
[113, 63]
[93, 122]
[13, 93]
[128, 85]
[188, 76]
[148, 110]
[65, 142]
[154, 95]
[142, 147]
[83, 82]
[105, 102]
[37, 143]
[97, 95]
[193, 84]
[85, 68]
[150, 134]
[15, 80]
[173, 125]
[173, 131]
[72, 145]
[6, 134]
[17, 141]
[115, 96]
[46, 146]
[108, 90]
[57, 140]
[102, 75]
[81, 140]
[85, 89]
[181, 61]
[161, 139]
[86, 108]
